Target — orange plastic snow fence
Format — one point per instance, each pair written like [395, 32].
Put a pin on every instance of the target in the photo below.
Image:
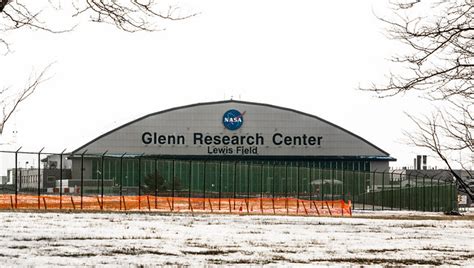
[276, 206]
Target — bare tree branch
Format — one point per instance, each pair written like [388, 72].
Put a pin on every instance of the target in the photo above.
[439, 65]
[431, 134]
[441, 61]
[127, 15]
[9, 104]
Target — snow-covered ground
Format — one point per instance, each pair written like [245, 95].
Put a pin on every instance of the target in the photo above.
[76, 239]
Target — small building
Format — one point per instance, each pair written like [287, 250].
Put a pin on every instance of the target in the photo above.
[50, 175]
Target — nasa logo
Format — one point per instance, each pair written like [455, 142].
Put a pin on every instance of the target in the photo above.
[233, 119]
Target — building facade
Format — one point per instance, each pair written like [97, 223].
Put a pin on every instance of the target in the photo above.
[231, 145]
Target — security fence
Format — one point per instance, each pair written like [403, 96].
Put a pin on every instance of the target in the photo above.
[327, 183]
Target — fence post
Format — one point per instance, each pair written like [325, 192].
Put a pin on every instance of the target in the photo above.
[431, 194]
[21, 179]
[321, 182]
[220, 184]
[190, 181]
[121, 180]
[409, 190]
[233, 179]
[423, 199]
[452, 195]
[140, 181]
[61, 179]
[248, 181]
[273, 181]
[309, 185]
[400, 192]
[373, 190]
[454, 190]
[297, 187]
[416, 192]
[364, 185]
[261, 182]
[297, 183]
[286, 187]
[155, 176]
[173, 184]
[16, 177]
[102, 160]
[437, 197]
[354, 185]
[82, 176]
[73, 205]
[333, 172]
[343, 183]
[383, 188]
[204, 188]
[391, 192]
[39, 178]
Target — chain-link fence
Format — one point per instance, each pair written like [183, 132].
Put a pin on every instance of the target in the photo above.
[99, 176]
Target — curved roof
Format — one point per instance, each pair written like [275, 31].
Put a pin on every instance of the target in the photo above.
[165, 119]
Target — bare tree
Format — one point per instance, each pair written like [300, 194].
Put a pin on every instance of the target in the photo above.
[9, 102]
[126, 15]
[439, 65]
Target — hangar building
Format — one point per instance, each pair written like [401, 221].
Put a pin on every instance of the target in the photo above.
[231, 147]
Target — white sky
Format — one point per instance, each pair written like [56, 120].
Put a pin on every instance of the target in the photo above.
[305, 55]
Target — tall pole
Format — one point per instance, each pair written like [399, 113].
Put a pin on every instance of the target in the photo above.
[333, 172]
[286, 181]
[204, 188]
[234, 179]
[16, 177]
[416, 192]
[321, 181]
[21, 180]
[173, 184]
[273, 180]
[431, 194]
[309, 184]
[298, 182]
[220, 183]
[121, 179]
[400, 193]
[61, 179]
[140, 181]
[155, 175]
[424, 196]
[354, 185]
[102, 180]
[364, 190]
[248, 180]
[409, 190]
[373, 190]
[39, 178]
[392, 195]
[383, 188]
[437, 196]
[343, 183]
[286, 187]
[190, 181]
[261, 182]
[82, 176]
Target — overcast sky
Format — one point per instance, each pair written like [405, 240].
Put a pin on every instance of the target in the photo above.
[305, 55]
